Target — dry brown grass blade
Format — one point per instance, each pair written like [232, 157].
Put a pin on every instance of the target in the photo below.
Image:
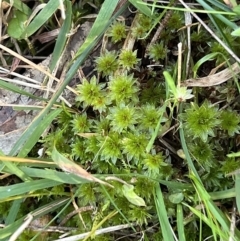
[71, 167]
[215, 79]
[35, 66]
[79, 171]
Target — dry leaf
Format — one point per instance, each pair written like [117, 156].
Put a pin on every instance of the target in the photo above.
[87, 135]
[71, 167]
[215, 79]
[5, 5]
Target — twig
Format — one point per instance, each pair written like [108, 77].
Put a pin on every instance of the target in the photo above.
[97, 232]
[188, 22]
[179, 64]
[233, 223]
[74, 212]
[160, 28]
[17, 233]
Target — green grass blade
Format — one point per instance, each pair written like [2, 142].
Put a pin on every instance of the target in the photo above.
[27, 147]
[29, 144]
[157, 129]
[15, 89]
[100, 24]
[235, 154]
[22, 188]
[215, 214]
[229, 23]
[180, 223]
[237, 187]
[219, 5]
[53, 175]
[170, 84]
[41, 18]
[187, 10]
[162, 215]
[62, 37]
[117, 208]
[208, 221]
[185, 149]
[176, 185]
[13, 211]
[229, 193]
[204, 59]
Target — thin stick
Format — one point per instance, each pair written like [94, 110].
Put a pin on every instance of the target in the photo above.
[179, 64]
[211, 32]
[28, 62]
[188, 22]
[17, 233]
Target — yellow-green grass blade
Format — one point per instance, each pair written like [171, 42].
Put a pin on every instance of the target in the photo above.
[41, 18]
[206, 58]
[209, 222]
[14, 169]
[215, 214]
[162, 215]
[235, 154]
[187, 10]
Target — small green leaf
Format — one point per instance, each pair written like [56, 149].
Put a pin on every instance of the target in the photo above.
[141, 7]
[131, 196]
[176, 198]
[236, 32]
[21, 6]
[170, 83]
[236, 154]
[16, 25]
[42, 17]
[237, 9]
